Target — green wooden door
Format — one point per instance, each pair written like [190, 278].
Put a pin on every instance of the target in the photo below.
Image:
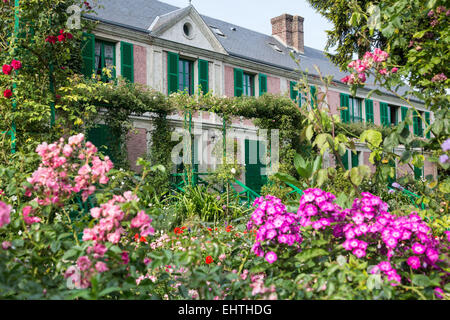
[103, 138]
[254, 179]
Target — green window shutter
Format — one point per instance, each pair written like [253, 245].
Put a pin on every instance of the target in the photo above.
[384, 114]
[404, 111]
[427, 120]
[417, 125]
[369, 111]
[355, 159]
[418, 172]
[238, 82]
[262, 84]
[127, 63]
[313, 96]
[345, 114]
[293, 91]
[203, 75]
[345, 160]
[103, 137]
[88, 54]
[172, 72]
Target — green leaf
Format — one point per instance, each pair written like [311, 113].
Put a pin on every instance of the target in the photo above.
[288, 179]
[309, 132]
[69, 253]
[420, 280]
[108, 291]
[310, 254]
[373, 137]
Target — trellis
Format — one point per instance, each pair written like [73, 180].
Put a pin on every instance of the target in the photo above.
[17, 34]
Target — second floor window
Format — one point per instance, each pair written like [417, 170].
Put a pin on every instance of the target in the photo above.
[185, 76]
[393, 116]
[249, 85]
[105, 57]
[355, 106]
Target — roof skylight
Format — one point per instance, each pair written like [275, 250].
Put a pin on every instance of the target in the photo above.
[217, 31]
[275, 47]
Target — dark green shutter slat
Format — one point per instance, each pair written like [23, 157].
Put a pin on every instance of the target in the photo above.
[172, 72]
[418, 173]
[427, 120]
[238, 82]
[384, 114]
[355, 159]
[345, 160]
[417, 125]
[293, 91]
[345, 114]
[127, 63]
[262, 84]
[88, 54]
[203, 75]
[404, 111]
[369, 111]
[313, 96]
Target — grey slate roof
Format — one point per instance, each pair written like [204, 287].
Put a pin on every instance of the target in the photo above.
[243, 43]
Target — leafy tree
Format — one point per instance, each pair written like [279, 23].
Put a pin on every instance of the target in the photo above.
[415, 33]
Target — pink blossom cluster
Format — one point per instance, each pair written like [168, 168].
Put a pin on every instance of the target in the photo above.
[372, 226]
[439, 77]
[366, 227]
[258, 287]
[67, 168]
[318, 210]
[275, 226]
[110, 217]
[26, 211]
[5, 210]
[361, 67]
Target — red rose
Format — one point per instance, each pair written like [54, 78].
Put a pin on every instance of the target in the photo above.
[16, 64]
[209, 260]
[68, 35]
[7, 93]
[51, 39]
[7, 69]
[61, 38]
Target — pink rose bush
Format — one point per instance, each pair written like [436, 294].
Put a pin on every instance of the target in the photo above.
[67, 169]
[110, 228]
[4, 214]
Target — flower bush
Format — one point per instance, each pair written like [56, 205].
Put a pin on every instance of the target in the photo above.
[369, 231]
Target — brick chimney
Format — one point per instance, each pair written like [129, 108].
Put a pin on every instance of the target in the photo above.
[289, 30]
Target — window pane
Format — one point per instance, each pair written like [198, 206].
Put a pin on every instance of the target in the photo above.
[109, 51]
[98, 48]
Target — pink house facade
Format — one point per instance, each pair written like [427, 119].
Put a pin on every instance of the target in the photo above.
[156, 34]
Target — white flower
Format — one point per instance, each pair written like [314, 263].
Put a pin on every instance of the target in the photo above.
[14, 198]
[113, 177]
[233, 170]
